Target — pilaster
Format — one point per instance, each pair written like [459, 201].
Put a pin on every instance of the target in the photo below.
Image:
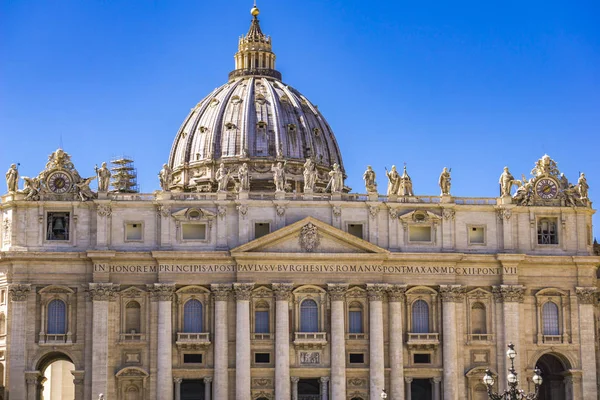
[376, 293]
[242, 340]
[221, 293]
[18, 294]
[337, 294]
[163, 294]
[282, 340]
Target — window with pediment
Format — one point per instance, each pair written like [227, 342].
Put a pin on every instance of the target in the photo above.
[193, 316]
[309, 316]
[479, 317]
[422, 318]
[355, 318]
[552, 316]
[262, 317]
[2, 324]
[133, 325]
[357, 307]
[420, 227]
[309, 324]
[57, 315]
[194, 225]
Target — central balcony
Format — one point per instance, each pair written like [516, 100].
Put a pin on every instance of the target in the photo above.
[310, 339]
[193, 340]
[423, 340]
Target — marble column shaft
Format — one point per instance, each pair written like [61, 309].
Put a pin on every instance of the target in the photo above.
[435, 382]
[587, 338]
[450, 295]
[17, 340]
[295, 381]
[242, 340]
[337, 293]
[163, 293]
[324, 387]
[177, 382]
[396, 304]
[221, 342]
[282, 340]
[207, 391]
[78, 381]
[376, 358]
[408, 388]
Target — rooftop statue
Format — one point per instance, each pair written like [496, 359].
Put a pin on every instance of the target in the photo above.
[165, 176]
[406, 188]
[12, 179]
[336, 180]
[444, 182]
[279, 176]
[393, 181]
[506, 182]
[582, 187]
[243, 178]
[31, 189]
[83, 189]
[103, 174]
[369, 178]
[310, 175]
[222, 177]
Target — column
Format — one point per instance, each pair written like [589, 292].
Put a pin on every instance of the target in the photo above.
[221, 355]
[101, 294]
[282, 340]
[242, 340]
[450, 295]
[295, 381]
[376, 357]
[396, 305]
[324, 387]
[207, 384]
[78, 381]
[17, 340]
[408, 388]
[586, 297]
[177, 382]
[32, 379]
[163, 293]
[510, 296]
[435, 383]
[337, 294]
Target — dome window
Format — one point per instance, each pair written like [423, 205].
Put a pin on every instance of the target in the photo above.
[236, 100]
[203, 129]
[230, 125]
[214, 102]
[316, 131]
[291, 128]
[285, 99]
[261, 125]
[260, 99]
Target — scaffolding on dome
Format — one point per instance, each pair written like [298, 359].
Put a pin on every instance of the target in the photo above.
[124, 175]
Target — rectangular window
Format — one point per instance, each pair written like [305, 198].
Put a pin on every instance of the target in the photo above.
[357, 358]
[193, 231]
[3, 296]
[547, 232]
[476, 235]
[419, 233]
[261, 322]
[422, 358]
[262, 358]
[57, 226]
[192, 358]
[133, 231]
[261, 229]
[355, 322]
[356, 230]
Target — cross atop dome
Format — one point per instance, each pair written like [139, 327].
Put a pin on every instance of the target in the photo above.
[255, 56]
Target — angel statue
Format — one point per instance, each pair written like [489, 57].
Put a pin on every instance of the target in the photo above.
[31, 189]
[83, 189]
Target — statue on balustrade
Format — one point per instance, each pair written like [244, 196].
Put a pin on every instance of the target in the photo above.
[393, 181]
[506, 181]
[83, 189]
[406, 188]
[336, 179]
[444, 181]
[582, 187]
[278, 176]
[103, 174]
[165, 176]
[244, 178]
[222, 177]
[369, 178]
[310, 175]
[12, 179]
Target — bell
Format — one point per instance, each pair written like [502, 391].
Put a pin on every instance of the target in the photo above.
[58, 225]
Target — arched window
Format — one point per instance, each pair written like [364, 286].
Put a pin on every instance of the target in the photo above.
[192, 316]
[355, 318]
[420, 317]
[478, 319]
[57, 317]
[133, 317]
[261, 318]
[2, 324]
[550, 318]
[309, 316]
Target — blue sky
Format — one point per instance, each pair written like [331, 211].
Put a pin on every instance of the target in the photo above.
[470, 85]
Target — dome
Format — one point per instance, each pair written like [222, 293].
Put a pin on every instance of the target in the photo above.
[255, 119]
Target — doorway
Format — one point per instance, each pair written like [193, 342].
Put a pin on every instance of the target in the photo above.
[553, 371]
[309, 389]
[57, 378]
[192, 389]
[421, 389]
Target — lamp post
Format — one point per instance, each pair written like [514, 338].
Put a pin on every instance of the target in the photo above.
[513, 392]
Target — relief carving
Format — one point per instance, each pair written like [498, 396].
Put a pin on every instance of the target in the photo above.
[309, 238]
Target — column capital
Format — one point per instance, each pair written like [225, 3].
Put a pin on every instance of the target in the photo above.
[207, 379]
[243, 290]
[452, 293]
[337, 291]
[376, 291]
[396, 293]
[295, 379]
[282, 290]
[221, 291]
[324, 379]
[177, 381]
[436, 379]
[408, 379]
[78, 377]
[586, 295]
[32, 377]
[18, 291]
[103, 291]
[161, 291]
[509, 293]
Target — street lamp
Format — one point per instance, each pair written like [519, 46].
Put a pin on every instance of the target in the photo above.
[383, 394]
[513, 393]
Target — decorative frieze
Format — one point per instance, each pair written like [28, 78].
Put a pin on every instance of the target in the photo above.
[509, 293]
[103, 291]
[18, 291]
[221, 291]
[282, 290]
[337, 291]
[357, 382]
[586, 295]
[161, 291]
[452, 293]
[376, 291]
[243, 291]
[310, 358]
[262, 382]
[396, 293]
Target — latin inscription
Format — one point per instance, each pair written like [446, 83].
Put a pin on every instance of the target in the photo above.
[302, 268]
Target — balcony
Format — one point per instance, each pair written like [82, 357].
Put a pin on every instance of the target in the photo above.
[262, 336]
[310, 339]
[552, 339]
[480, 337]
[357, 336]
[130, 338]
[423, 340]
[193, 340]
[54, 339]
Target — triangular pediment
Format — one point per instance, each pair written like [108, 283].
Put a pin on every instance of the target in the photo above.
[309, 235]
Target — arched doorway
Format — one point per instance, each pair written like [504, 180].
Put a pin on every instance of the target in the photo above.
[553, 373]
[57, 379]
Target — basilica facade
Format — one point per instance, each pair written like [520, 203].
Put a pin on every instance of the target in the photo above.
[254, 273]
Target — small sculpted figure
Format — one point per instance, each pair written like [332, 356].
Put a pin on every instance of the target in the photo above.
[83, 189]
[506, 181]
[406, 188]
[278, 176]
[165, 177]
[244, 178]
[12, 178]
[444, 182]
[393, 181]
[310, 175]
[103, 174]
[369, 178]
[222, 176]
[336, 179]
[564, 182]
[582, 187]
[31, 189]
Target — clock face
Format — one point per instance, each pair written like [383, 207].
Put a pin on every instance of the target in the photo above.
[59, 182]
[546, 188]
